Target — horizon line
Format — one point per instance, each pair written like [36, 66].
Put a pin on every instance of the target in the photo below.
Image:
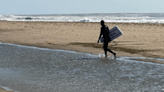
[86, 13]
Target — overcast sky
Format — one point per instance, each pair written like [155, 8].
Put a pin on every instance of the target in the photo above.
[80, 6]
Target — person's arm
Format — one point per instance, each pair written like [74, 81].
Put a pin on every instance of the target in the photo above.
[99, 36]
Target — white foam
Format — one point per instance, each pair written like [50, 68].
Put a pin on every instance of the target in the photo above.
[8, 89]
[123, 18]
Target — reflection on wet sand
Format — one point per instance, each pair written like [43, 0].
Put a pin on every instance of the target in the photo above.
[32, 69]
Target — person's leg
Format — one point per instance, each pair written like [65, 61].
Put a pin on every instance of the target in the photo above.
[105, 48]
[112, 53]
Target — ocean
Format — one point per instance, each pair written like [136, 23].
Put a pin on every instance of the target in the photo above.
[33, 69]
[96, 17]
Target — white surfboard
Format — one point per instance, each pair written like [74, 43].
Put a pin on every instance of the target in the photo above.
[114, 33]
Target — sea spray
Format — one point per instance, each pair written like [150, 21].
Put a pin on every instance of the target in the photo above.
[96, 17]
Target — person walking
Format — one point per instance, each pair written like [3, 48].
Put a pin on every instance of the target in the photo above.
[105, 33]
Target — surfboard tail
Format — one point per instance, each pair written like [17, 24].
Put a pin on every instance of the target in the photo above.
[115, 32]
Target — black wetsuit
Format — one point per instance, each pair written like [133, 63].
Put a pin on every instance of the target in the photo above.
[105, 33]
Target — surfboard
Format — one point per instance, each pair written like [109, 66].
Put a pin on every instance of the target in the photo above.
[114, 33]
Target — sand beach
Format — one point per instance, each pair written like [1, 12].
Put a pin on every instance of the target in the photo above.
[139, 39]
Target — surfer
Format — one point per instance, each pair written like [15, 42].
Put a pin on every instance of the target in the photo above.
[105, 33]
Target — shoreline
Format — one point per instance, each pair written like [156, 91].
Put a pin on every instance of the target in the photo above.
[5, 89]
[28, 67]
[89, 51]
[82, 37]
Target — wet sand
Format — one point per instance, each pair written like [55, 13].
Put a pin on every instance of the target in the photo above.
[142, 39]
[139, 39]
[32, 69]
[3, 90]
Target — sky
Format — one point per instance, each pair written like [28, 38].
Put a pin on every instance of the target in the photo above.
[80, 6]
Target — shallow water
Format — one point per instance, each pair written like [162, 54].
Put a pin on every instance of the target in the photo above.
[32, 69]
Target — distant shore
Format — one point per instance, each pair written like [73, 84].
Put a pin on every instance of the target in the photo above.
[139, 39]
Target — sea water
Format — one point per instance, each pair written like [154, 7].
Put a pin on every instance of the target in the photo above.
[96, 17]
[32, 69]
